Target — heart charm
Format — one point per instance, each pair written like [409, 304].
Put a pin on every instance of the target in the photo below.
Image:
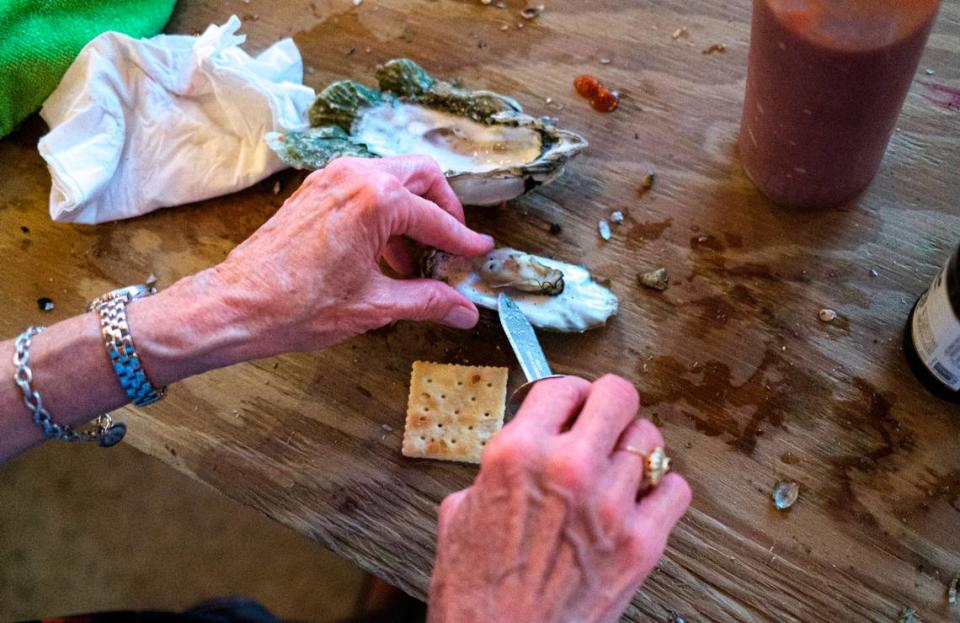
[112, 435]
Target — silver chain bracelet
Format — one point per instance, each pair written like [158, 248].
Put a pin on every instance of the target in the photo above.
[106, 433]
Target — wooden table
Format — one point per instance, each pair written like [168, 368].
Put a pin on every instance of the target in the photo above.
[748, 385]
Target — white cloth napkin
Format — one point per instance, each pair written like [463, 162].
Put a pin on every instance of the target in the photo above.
[141, 124]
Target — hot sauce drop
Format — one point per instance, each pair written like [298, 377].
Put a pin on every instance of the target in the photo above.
[586, 86]
[606, 100]
[601, 98]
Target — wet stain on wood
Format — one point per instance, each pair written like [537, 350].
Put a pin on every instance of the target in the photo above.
[713, 311]
[719, 407]
[869, 411]
[936, 488]
[648, 231]
[734, 241]
[706, 241]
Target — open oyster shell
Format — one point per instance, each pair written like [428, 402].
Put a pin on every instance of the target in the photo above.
[553, 295]
[490, 150]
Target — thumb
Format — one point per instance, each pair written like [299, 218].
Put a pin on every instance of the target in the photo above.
[432, 300]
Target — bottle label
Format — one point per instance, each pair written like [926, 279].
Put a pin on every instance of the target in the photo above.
[936, 332]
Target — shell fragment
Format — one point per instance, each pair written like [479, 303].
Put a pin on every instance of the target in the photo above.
[657, 279]
[785, 493]
[604, 228]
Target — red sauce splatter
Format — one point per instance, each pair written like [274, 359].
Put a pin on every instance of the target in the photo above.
[606, 100]
[601, 98]
[586, 86]
[947, 97]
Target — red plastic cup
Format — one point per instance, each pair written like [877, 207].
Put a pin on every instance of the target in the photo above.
[825, 84]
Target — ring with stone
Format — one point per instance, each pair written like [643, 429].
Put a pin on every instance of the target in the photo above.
[655, 464]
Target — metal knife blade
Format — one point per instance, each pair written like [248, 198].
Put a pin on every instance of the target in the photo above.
[523, 339]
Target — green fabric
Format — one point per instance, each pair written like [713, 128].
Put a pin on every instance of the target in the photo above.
[40, 38]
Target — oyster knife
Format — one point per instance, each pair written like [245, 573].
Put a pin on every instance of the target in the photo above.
[523, 339]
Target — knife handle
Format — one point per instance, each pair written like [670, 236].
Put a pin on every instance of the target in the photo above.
[517, 397]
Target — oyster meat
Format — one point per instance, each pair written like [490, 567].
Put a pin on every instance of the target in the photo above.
[506, 268]
[456, 143]
[553, 295]
[489, 149]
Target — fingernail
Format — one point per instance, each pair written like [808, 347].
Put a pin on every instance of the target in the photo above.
[461, 318]
[489, 239]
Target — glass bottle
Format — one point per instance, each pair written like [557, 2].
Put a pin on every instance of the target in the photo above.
[825, 84]
[932, 336]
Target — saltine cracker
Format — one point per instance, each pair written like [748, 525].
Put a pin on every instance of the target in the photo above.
[453, 410]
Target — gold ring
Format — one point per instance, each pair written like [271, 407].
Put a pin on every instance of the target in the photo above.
[655, 464]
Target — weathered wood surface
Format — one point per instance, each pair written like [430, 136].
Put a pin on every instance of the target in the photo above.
[748, 384]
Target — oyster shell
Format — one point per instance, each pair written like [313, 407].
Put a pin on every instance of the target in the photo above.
[490, 150]
[553, 295]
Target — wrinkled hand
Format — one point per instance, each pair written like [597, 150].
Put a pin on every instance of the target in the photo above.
[310, 276]
[552, 529]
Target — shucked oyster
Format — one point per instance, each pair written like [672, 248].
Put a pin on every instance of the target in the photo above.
[553, 295]
[506, 268]
[490, 150]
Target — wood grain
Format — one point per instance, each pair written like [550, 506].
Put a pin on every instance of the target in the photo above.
[748, 385]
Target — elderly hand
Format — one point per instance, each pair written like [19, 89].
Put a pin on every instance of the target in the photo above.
[552, 529]
[310, 276]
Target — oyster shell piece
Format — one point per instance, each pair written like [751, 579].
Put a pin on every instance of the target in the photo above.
[657, 279]
[490, 150]
[577, 302]
[784, 494]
